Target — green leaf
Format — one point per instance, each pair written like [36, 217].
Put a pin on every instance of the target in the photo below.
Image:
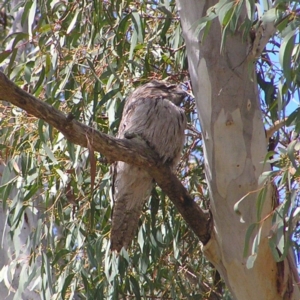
[228, 15]
[64, 177]
[135, 287]
[167, 12]
[18, 37]
[36, 240]
[60, 255]
[5, 191]
[4, 55]
[291, 153]
[10, 68]
[250, 6]
[108, 96]
[269, 16]
[33, 190]
[281, 25]
[73, 22]
[206, 30]
[66, 285]
[30, 278]
[41, 124]
[237, 210]
[71, 151]
[136, 19]
[31, 16]
[40, 80]
[225, 12]
[251, 260]
[141, 240]
[24, 18]
[91, 256]
[267, 4]
[50, 153]
[256, 241]
[285, 55]
[274, 250]
[133, 43]
[293, 116]
[92, 68]
[266, 176]
[260, 201]
[248, 235]
[297, 121]
[204, 23]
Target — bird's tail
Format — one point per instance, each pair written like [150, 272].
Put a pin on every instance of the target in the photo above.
[131, 191]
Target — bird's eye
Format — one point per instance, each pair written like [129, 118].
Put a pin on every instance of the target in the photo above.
[171, 86]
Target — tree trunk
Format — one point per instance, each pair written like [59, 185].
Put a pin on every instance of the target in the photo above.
[235, 147]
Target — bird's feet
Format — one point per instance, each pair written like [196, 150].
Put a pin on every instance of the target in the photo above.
[130, 135]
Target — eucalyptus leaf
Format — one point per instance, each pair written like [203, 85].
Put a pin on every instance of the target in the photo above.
[285, 54]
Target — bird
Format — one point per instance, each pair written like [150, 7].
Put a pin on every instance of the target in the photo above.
[153, 113]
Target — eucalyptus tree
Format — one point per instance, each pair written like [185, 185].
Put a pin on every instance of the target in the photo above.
[230, 52]
[83, 59]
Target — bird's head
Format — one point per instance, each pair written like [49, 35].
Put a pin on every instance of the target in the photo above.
[158, 88]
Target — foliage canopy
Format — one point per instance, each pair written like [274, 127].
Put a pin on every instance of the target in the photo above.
[84, 57]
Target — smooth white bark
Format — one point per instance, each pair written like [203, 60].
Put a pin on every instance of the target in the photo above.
[234, 148]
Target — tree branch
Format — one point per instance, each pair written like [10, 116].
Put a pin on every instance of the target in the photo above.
[277, 125]
[131, 151]
[262, 36]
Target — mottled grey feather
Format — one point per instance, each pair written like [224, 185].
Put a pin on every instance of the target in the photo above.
[151, 112]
